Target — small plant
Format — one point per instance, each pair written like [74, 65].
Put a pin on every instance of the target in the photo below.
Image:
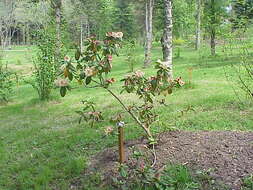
[178, 43]
[131, 59]
[248, 183]
[178, 53]
[93, 66]
[139, 174]
[242, 76]
[6, 82]
[44, 65]
[88, 113]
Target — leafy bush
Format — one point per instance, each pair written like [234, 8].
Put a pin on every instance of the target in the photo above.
[242, 75]
[248, 183]
[6, 82]
[139, 174]
[93, 67]
[131, 59]
[44, 65]
[178, 42]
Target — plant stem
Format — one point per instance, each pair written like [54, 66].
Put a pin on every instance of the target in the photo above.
[127, 110]
[131, 114]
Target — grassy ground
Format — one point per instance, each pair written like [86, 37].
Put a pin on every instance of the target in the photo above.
[42, 146]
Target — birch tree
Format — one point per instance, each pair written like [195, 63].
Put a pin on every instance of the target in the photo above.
[167, 36]
[149, 6]
[57, 7]
[198, 24]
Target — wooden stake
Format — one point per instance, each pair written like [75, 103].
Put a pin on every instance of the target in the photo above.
[121, 145]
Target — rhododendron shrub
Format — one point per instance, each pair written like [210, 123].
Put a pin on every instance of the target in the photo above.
[91, 68]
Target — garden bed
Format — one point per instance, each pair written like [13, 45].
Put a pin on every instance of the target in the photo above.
[228, 155]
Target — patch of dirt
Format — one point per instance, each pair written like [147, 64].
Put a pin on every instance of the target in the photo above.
[228, 153]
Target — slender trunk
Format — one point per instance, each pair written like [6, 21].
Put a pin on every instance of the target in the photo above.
[23, 35]
[18, 37]
[81, 35]
[213, 29]
[198, 25]
[58, 8]
[9, 38]
[87, 27]
[27, 35]
[212, 42]
[148, 26]
[167, 37]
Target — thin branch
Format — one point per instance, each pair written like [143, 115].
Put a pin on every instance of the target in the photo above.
[132, 115]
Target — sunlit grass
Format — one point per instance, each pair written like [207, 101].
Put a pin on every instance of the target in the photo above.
[43, 146]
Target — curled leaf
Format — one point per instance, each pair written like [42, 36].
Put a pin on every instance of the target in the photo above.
[63, 91]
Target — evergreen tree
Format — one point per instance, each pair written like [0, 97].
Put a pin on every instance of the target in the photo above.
[124, 19]
[243, 10]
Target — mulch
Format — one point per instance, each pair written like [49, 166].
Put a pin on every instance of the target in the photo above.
[229, 154]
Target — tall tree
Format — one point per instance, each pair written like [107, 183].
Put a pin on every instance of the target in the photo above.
[198, 24]
[148, 31]
[167, 36]
[214, 16]
[57, 7]
[243, 12]
[8, 24]
[124, 19]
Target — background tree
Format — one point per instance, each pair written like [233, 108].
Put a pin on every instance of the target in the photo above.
[214, 16]
[57, 11]
[243, 12]
[8, 24]
[124, 20]
[198, 23]
[149, 6]
[167, 37]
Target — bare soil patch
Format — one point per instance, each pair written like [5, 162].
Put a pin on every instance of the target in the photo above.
[228, 153]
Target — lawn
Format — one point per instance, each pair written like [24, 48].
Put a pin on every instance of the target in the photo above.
[42, 146]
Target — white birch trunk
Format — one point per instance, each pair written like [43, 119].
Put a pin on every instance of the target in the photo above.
[167, 37]
[81, 35]
[198, 24]
[148, 32]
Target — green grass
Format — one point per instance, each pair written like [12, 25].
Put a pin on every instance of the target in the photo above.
[42, 146]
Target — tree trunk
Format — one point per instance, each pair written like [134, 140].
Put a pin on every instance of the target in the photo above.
[58, 7]
[87, 27]
[213, 29]
[23, 35]
[81, 35]
[212, 42]
[167, 36]
[27, 35]
[149, 36]
[198, 25]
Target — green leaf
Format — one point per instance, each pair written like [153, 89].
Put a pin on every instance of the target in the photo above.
[63, 91]
[170, 91]
[77, 54]
[88, 80]
[149, 99]
[82, 76]
[123, 172]
[70, 76]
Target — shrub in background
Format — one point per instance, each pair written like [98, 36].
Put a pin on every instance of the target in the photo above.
[132, 58]
[6, 82]
[44, 73]
[178, 43]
